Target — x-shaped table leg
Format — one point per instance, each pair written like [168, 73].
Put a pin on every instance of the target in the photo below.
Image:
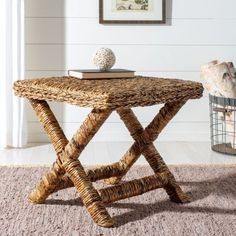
[67, 171]
[144, 145]
[67, 161]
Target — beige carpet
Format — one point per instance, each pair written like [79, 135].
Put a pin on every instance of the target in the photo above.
[211, 212]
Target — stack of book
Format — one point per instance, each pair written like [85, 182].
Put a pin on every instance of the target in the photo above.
[98, 74]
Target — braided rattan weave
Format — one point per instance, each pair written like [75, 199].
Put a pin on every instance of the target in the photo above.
[110, 93]
[105, 96]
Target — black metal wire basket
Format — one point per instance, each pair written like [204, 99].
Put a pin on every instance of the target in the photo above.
[223, 124]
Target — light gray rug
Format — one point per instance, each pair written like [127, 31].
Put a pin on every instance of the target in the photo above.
[211, 212]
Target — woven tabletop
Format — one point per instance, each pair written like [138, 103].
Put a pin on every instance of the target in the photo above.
[109, 93]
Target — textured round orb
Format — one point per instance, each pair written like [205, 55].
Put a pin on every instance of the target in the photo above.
[104, 58]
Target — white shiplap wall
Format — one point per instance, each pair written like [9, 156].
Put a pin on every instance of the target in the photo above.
[63, 34]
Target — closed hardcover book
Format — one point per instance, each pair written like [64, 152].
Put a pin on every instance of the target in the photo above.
[98, 74]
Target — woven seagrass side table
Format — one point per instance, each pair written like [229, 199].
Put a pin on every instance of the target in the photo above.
[104, 97]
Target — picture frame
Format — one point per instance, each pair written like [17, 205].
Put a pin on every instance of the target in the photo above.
[132, 11]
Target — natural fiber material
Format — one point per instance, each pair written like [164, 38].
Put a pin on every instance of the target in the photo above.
[106, 95]
[110, 93]
[210, 213]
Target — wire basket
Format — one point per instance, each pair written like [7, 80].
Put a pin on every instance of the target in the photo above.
[223, 124]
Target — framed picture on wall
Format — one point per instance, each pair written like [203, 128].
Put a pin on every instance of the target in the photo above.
[132, 11]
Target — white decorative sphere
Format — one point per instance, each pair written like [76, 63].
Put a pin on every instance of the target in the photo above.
[104, 58]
